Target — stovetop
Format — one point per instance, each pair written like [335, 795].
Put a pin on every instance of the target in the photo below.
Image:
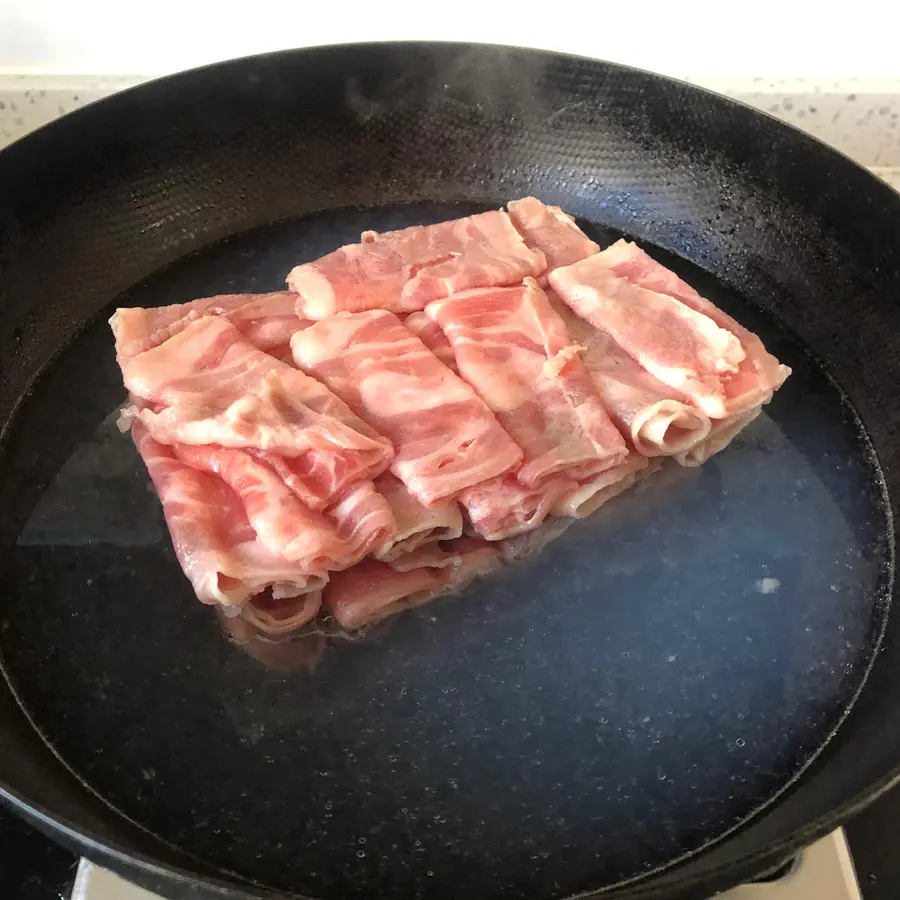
[32, 867]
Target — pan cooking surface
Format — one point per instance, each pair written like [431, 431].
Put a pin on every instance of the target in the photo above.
[651, 679]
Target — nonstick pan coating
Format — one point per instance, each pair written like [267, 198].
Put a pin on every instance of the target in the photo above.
[655, 706]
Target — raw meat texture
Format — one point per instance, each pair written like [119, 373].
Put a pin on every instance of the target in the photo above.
[266, 320]
[209, 385]
[514, 349]
[465, 556]
[520, 409]
[592, 493]
[360, 522]
[373, 590]
[681, 347]
[550, 230]
[429, 556]
[720, 436]
[445, 439]
[430, 334]
[215, 544]
[758, 375]
[364, 519]
[504, 507]
[404, 270]
[269, 321]
[416, 525]
[656, 419]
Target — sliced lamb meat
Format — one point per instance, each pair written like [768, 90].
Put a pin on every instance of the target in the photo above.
[209, 385]
[758, 373]
[430, 334]
[683, 348]
[417, 525]
[269, 321]
[428, 556]
[657, 420]
[720, 436]
[266, 320]
[550, 230]
[504, 507]
[404, 270]
[445, 438]
[514, 349]
[359, 523]
[592, 493]
[213, 540]
[278, 617]
[372, 591]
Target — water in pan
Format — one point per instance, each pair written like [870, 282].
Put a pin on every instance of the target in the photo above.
[652, 678]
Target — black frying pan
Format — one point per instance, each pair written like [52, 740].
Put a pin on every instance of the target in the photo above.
[671, 698]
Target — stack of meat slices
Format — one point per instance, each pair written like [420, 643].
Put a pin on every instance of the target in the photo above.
[416, 403]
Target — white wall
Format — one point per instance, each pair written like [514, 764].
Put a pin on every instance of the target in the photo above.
[678, 37]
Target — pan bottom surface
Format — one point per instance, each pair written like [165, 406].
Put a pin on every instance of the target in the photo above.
[651, 679]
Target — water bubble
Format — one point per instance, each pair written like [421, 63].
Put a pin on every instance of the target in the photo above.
[361, 854]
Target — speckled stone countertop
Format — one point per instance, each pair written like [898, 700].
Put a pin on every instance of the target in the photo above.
[860, 117]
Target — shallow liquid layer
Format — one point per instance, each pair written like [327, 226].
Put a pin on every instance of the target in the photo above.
[647, 682]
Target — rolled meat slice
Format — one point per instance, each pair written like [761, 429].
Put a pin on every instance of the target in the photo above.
[266, 320]
[372, 591]
[720, 436]
[402, 271]
[216, 546]
[553, 232]
[681, 347]
[416, 525]
[428, 556]
[280, 617]
[657, 420]
[592, 493]
[430, 334]
[209, 385]
[514, 349]
[319, 543]
[504, 507]
[445, 438]
[759, 373]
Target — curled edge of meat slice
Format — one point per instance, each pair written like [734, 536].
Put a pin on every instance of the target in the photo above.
[720, 436]
[417, 525]
[373, 591]
[213, 540]
[592, 493]
[276, 617]
[656, 419]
